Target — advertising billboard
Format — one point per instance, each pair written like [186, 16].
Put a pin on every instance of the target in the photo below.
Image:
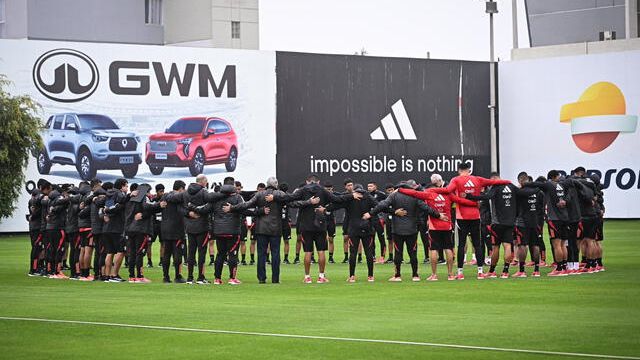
[565, 112]
[152, 114]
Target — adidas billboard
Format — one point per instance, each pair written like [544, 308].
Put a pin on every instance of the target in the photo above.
[380, 119]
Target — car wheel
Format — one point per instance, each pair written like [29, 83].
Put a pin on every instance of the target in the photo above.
[156, 170]
[130, 171]
[44, 164]
[197, 165]
[232, 160]
[85, 166]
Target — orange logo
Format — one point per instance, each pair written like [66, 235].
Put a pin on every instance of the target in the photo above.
[598, 117]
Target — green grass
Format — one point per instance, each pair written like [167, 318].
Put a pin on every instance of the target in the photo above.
[598, 313]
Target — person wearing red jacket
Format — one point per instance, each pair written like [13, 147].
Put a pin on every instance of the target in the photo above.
[468, 217]
[440, 235]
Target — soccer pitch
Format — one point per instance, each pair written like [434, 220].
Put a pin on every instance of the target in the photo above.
[585, 314]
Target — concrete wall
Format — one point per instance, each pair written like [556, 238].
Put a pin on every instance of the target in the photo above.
[187, 20]
[584, 48]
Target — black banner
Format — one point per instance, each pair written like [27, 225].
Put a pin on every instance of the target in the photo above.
[380, 119]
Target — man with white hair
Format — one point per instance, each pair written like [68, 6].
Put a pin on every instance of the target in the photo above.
[436, 180]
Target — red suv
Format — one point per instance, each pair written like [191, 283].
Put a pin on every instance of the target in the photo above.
[193, 142]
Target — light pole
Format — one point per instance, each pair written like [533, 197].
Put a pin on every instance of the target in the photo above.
[492, 8]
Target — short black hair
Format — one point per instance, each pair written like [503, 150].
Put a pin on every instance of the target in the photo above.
[464, 166]
[261, 186]
[120, 183]
[522, 174]
[529, 178]
[372, 182]
[229, 180]
[133, 186]
[327, 184]
[313, 178]
[238, 184]
[283, 187]
[178, 184]
[552, 174]
[95, 181]
[389, 186]
[348, 180]
[580, 169]
[541, 179]
[43, 184]
[107, 186]
[159, 187]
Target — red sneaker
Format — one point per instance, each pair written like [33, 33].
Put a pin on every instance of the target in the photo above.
[585, 270]
[556, 273]
[519, 274]
[600, 268]
[474, 262]
[543, 264]
[217, 282]
[554, 266]
[481, 276]
[592, 270]
[322, 280]
[434, 277]
[132, 280]
[491, 275]
[449, 278]
[143, 280]
[307, 280]
[351, 279]
[395, 279]
[504, 275]
[530, 263]
[460, 276]
[370, 279]
[565, 272]
[536, 274]
[234, 282]
[415, 279]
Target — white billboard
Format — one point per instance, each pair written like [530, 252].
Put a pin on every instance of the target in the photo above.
[153, 114]
[560, 113]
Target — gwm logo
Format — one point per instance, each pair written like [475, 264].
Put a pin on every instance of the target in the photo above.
[598, 117]
[65, 75]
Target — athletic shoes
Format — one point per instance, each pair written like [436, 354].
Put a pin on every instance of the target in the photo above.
[460, 276]
[600, 268]
[252, 262]
[286, 261]
[331, 261]
[346, 260]
[150, 264]
[389, 261]
[33, 273]
[536, 274]
[243, 262]
[296, 261]
[491, 275]
[322, 280]
[370, 279]
[442, 261]
[190, 281]
[132, 280]
[307, 280]
[202, 282]
[514, 262]
[449, 278]
[180, 280]
[395, 279]
[481, 276]
[519, 274]
[530, 263]
[556, 273]
[433, 277]
[474, 262]
[504, 275]
[143, 280]
[166, 280]
[543, 264]
[415, 279]
[234, 282]
[313, 260]
[351, 279]
[380, 260]
[217, 282]
[84, 279]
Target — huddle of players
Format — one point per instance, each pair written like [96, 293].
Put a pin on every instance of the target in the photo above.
[105, 217]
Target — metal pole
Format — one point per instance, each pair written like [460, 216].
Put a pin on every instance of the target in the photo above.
[514, 22]
[491, 9]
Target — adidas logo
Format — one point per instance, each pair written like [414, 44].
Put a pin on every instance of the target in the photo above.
[469, 183]
[506, 189]
[440, 197]
[389, 127]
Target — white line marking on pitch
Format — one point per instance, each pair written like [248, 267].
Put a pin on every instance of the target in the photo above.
[394, 342]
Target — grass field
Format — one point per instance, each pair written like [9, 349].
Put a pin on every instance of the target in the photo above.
[594, 313]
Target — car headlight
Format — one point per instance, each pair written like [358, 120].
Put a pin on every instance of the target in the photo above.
[186, 141]
[99, 138]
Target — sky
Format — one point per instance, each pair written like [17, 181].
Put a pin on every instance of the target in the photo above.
[447, 29]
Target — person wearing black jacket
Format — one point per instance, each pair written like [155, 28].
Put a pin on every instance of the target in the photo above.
[55, 216]
[114, 227]
[588, 224]
[361, 230]
[35, 225]
[389, 189]
[405, 210]
[286, 228]
[172, 231]
[528, 234]
[84, 231]
[73, 235]
[378, 224]
[98, 200]
[139, 216]
[157, 219]
[313, 223]
[197, 225]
